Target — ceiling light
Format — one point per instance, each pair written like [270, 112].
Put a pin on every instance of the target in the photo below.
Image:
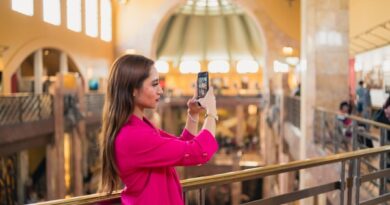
[288, 50]
[292, 60]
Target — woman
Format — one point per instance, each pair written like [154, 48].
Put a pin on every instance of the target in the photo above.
[134, 150]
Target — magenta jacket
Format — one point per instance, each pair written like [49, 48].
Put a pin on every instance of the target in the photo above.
[146, 157]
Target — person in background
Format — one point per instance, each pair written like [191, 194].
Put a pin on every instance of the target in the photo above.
[367, 104]
[344, 124]
[297, 91]
[361, 94]
[136, 152]
[383, 116]
[345, 121]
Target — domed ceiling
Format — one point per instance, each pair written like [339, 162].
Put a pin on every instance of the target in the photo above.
[209, 30]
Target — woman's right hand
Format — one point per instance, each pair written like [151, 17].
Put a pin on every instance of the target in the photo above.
[209, 102]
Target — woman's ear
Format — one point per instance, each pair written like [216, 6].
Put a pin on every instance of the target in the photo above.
[135, 92]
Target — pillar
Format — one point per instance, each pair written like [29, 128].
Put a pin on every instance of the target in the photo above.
[236, 186]
[38, 69]
[79, 136]
[63, 63]
[240, 128]
[324, 66]
[22, 171]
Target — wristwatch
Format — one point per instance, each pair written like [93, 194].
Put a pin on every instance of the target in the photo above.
[212, 115]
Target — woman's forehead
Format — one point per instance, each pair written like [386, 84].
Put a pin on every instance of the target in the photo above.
[153, 73]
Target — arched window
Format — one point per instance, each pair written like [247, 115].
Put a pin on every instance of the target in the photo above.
[73, 15]
[190, 66]
[91, 18]
[218, 66]
[52, 12]
[247, 66]
[25, 7]
[105, 20]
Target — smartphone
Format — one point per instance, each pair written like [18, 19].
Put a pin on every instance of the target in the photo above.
[202, 84]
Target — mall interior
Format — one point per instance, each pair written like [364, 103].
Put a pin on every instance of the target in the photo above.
[299, 86]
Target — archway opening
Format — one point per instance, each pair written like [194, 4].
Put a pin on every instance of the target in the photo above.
[22, 80]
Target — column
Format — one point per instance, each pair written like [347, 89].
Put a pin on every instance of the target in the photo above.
[240, 128]
[63, 63]
[22, 171]
[76, 156]
[79, 136]
[58, 146]
[236, 186]
[51, 170]
[38, 69]
[324, 63]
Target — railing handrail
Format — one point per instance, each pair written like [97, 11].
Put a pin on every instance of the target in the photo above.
[293, 97]
[199, 182]
[357, 118]
[22, 94]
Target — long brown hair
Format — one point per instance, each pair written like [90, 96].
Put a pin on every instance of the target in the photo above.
[127, 73]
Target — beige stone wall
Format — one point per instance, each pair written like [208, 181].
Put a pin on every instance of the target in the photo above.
[25, 34]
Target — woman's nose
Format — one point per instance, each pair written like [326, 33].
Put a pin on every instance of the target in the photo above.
[160, 90]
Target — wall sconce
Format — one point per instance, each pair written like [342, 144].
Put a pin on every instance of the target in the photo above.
[287, 50]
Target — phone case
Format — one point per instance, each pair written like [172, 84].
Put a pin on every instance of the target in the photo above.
[202, 84]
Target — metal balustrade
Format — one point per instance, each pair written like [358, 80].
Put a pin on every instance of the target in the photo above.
[292, 106]
[94, 103]
[22, 108]
[348, 185]
[331, 133]
[335, 137]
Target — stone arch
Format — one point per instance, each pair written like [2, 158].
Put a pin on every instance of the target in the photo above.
[18, 56]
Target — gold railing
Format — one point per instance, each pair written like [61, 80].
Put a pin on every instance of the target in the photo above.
[348, 184]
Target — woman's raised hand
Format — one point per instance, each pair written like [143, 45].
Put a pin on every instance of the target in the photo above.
[193, 106]
[209, 102]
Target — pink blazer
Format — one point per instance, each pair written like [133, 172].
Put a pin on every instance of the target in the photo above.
[146, 157]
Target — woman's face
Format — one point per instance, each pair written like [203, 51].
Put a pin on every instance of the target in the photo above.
[344, 109]
[149, 94]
